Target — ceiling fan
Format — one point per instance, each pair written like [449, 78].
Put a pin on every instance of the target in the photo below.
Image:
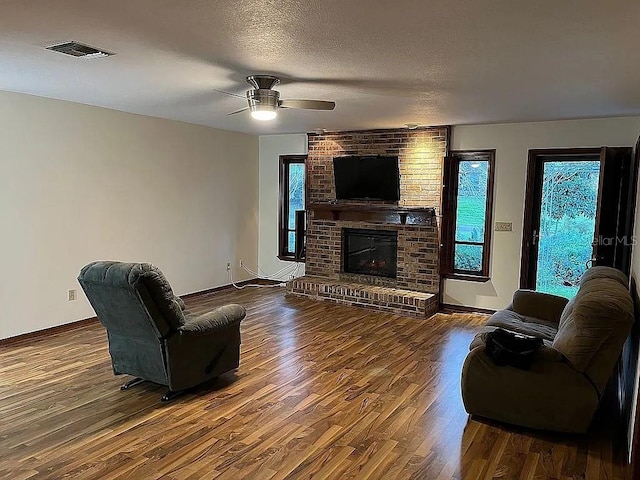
[264, 101]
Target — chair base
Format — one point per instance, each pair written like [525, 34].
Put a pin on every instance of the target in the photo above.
[171, 395]
[167, 397]
[132, 383]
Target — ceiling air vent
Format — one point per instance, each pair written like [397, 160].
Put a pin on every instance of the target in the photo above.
[76, 49]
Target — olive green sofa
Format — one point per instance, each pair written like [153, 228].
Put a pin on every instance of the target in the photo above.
[151, 334]
[583, 339]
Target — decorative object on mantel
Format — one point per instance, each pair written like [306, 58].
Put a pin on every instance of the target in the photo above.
[370, 212]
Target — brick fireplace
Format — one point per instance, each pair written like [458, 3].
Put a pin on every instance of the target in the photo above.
[412, 223]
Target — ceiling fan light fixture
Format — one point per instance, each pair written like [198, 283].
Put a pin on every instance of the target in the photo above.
[263, 112]
[263, 103]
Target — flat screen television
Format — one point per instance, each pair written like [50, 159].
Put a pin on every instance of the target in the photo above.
[367, 178]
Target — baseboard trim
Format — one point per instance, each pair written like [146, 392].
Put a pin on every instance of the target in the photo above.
[450, 308]
[30, 336]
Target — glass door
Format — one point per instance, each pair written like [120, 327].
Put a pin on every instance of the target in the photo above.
[567, 223]
[579, 212]
[561, 219]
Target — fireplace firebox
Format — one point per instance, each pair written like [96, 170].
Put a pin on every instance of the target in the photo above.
[370, 252]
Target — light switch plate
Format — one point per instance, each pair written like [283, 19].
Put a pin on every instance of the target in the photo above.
[503, 226]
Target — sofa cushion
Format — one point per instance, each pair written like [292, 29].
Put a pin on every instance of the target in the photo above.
[604, 272]
[546, 352]
[543, 306]
[510, 320]
[592, 332]
[162, 294]
[566, 313]
[180, 303]
[130, 276]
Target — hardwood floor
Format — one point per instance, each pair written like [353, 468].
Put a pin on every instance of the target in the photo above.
[323, 391]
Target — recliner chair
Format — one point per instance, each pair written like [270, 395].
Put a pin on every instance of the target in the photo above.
[583, 339]
[151, 334]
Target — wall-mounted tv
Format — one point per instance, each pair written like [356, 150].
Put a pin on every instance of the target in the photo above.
[367, 178]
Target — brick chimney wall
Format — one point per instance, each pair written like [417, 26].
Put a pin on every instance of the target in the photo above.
[420, 157]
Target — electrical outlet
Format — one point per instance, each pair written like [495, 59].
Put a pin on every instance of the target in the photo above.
[241, 264]
[71, 295]
[503, 226]
[228, 266]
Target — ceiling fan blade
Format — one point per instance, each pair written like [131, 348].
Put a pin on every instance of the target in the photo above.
[229, 93]
[308, 104]
[238, 111]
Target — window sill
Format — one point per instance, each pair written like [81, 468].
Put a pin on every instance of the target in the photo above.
[467, 277]
[290, 258]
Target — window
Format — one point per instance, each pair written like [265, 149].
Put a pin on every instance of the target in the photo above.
[467, 206]
[292, 173]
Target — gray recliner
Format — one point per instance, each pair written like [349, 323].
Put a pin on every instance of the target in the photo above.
[151, 334]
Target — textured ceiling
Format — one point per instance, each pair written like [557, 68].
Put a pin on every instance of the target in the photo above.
[385, 63]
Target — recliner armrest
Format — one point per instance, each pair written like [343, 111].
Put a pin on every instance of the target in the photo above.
[538, 305]
[217, 319]
[552, 395]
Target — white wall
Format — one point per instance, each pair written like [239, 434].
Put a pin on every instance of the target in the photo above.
[82, 183]
[271, 147]
[512, 142]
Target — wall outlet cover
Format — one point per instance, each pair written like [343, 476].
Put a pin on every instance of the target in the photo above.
[503, 226]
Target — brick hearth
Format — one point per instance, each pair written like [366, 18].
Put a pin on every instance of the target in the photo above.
[415, 290]
[393, 300]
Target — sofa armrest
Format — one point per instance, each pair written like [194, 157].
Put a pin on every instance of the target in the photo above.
[538, 305]
[217, 319]
[552, 395]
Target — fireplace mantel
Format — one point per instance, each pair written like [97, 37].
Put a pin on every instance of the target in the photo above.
[371, 212]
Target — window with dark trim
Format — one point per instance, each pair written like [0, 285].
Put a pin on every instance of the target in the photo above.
[467, 220]
[292, 200]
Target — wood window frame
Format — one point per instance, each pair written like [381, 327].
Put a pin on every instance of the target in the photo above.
[283, 205]
[449, 208]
